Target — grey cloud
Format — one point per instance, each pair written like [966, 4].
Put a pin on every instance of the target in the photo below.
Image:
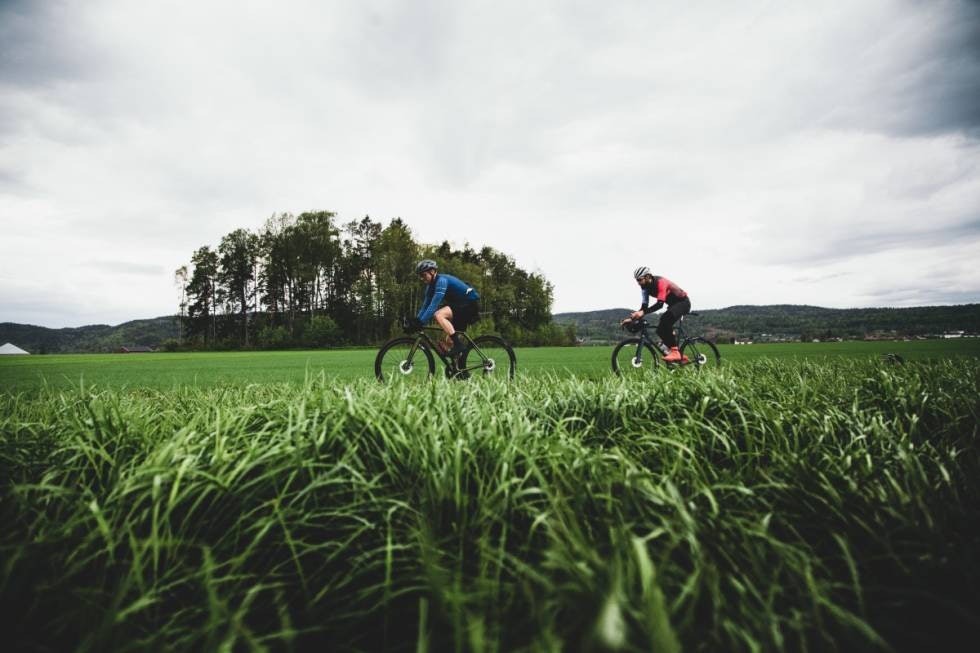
[819, 278]
[43, 44]
[613, 120]
[488, 89]
[126, 267]
[877, 81]
[11, 181]
[394, 47]
[930, 90]
[876, 241]
[872, 241]
[53, 70]
[925, 183]
[921, 296]
[53, 308]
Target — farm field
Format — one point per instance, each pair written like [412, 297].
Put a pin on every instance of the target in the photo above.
[165, 371]
[786, 502]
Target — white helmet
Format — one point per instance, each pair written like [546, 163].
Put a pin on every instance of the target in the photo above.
[641, 272]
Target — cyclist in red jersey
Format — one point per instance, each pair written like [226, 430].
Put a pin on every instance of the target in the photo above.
[678, 305]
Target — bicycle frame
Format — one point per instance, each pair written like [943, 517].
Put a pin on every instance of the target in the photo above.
[694, 349]
[423, 337]
[644, 334]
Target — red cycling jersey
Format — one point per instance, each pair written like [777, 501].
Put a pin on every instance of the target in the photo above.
[664, 290]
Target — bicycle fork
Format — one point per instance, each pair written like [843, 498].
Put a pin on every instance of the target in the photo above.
[405, 367]
[637, 360]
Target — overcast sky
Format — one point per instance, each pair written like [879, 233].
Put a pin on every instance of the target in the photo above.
[824, 153]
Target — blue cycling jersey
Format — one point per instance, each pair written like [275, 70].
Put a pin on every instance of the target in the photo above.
[447, 287]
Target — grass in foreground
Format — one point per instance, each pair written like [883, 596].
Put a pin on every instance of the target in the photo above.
[788, 506]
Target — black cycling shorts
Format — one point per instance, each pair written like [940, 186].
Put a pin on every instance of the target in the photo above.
[465, 314]
[665, 328]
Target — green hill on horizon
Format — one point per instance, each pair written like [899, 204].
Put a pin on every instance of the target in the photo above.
[772, 322]
[793, 321]
[90, 338]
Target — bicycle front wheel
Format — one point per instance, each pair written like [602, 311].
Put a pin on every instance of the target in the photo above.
[633, 357]
[701, 352]
[489, 356]
[404, 360]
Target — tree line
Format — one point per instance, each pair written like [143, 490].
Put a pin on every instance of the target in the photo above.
[309, 280]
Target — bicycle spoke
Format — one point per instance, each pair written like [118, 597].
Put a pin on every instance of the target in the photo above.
[634, 357]
[404, 361]
[489, 357]
[701, 353]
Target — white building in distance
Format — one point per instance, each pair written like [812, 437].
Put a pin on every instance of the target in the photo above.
[12, 350]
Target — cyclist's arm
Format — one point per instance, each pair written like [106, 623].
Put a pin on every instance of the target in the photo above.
[426, 300]
[434, 293]
[646, 310]
[652, 309]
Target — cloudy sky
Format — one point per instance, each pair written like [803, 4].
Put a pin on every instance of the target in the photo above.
[754, 152]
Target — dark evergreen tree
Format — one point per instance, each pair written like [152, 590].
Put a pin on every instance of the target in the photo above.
[202, 295]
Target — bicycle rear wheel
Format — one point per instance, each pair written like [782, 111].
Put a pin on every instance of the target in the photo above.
[701, 352]
[633, 357]
[404, 361]
[491, 357]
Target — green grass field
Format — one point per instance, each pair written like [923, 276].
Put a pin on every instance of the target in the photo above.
[807, 497]
[26, 373]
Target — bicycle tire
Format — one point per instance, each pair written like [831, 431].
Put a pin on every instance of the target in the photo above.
[702, 352]
[491, 363]
[386, 367]
[624, 361]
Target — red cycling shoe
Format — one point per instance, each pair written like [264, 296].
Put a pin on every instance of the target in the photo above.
[675, 356]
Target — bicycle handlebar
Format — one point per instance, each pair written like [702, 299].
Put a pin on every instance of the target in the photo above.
[634, 326]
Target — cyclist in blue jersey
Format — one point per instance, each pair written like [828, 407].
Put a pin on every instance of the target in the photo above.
[461, 304]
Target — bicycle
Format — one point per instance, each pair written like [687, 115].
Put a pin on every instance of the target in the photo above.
[629, 356]
[409, 358]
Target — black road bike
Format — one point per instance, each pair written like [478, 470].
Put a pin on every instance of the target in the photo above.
[411, 358]
[641, 353]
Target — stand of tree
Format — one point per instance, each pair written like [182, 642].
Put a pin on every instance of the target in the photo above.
[309, 281]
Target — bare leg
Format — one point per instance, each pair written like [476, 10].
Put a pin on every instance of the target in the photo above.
[443, 317]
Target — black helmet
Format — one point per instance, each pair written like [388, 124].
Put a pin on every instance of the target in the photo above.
[425, 265]
[641, 272]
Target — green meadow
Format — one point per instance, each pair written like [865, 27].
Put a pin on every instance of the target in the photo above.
[804, 497]
[170, 370]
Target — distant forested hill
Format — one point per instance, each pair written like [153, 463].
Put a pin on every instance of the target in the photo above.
[788, 320]
[775, 321]
[91, 338]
